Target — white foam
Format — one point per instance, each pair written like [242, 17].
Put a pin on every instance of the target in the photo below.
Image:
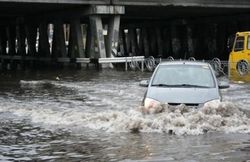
[225, 117]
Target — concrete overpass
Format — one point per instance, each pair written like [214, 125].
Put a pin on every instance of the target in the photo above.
[71, 29]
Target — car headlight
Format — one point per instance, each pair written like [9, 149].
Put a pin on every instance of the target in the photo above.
[151, 103]
[212, 102]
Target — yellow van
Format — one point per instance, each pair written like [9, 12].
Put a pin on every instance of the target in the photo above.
[239, 58]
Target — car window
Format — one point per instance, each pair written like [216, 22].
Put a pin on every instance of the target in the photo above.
[239, 44]
[184, 75]
[248, 42]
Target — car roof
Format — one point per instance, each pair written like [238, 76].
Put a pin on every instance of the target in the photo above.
[185, 62]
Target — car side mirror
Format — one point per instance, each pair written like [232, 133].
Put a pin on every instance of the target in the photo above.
[143, 83]
[223, 85]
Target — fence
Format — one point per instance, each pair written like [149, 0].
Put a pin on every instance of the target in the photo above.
[221, 67]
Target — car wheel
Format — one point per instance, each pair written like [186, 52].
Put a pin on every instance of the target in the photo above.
[242, 67]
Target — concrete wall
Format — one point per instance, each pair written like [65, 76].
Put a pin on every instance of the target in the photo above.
[60, 1]
[188, 3]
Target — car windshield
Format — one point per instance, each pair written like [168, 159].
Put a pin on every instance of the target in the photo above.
[184, 76]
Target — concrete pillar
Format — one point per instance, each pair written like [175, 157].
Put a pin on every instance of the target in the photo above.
[21, 46]
[205, 37]
[66, 31]
[190, 41]
[122, 48]
[167, 46]
[153, 42]
[113, 34]
[3, 40]
[175, 42]
[145, 41]
[195, 40]
[140, 41]
[90, 51]
[182, 34]
[97, 27]
[222, 41]
[3, 45]
[11, 36]
[200, 42]
[31, 33]
[84, 36]
[124, 38]
[43, 46]
[133, 41]
[21, 40]
[232, 29]
[211, 42]
[58, 44]
[76, 48]
[127, 42]
[159, 42]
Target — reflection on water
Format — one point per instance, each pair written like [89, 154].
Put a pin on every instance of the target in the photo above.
[88, 115]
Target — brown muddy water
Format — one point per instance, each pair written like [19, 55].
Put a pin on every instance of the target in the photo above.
[89, 115]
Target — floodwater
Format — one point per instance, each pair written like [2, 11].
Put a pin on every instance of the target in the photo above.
[91, 116]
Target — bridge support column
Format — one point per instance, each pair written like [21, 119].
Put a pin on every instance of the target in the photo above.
[153, 41]
[3, 41]
[159, 42]
[122, 45]
[133, 41]
[113, 35]
[211, 41]
[190, 42]
[76, 48]
[127, 42]
[43, 46]
[206, 36]
[145, 41]
[31, 32]
[58, 47]
[140, 41]
[167, 42]
[21, 50]
[11, 36]
[90, 51]
[3, 45]
[176, 44]
[99, 44]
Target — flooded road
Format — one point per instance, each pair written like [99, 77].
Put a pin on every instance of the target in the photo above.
[89, 115]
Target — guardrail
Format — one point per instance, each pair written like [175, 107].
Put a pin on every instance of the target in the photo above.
[221, 67]
[135, 62]
[218, 65]
[132, 61]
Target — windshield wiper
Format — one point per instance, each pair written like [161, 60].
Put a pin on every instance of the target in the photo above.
[179, 85]
[190, 85]
[161, 85]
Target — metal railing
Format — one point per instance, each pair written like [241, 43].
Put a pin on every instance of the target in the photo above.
[140, 62]
[220, 67]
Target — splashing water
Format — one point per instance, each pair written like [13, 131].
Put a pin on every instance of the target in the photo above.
[180, 120]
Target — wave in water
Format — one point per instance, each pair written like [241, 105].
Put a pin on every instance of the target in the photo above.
[180, 120]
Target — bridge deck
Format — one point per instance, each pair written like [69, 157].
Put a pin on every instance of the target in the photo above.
[150, 8]
[184, 3]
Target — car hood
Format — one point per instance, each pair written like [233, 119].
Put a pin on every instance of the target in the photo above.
[183, 95]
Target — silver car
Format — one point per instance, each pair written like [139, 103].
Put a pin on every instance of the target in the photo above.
[182, 82]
